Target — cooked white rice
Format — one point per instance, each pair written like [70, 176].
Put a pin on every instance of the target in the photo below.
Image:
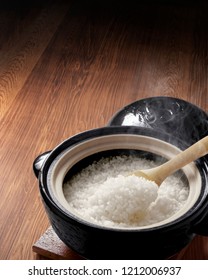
[103, 193]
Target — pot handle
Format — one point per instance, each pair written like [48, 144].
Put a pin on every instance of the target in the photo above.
[38, 162]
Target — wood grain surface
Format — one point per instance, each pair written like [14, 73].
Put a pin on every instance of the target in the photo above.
[68, 66]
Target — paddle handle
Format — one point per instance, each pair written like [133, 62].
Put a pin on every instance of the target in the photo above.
[192, 153]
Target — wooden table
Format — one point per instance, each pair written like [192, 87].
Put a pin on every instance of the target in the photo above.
[68, 66]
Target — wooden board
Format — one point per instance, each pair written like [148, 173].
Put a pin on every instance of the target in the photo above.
[49, 246]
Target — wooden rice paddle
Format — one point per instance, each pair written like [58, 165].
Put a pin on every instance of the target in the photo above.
[160, 173]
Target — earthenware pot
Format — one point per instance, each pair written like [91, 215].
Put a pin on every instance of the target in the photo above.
[93, 241]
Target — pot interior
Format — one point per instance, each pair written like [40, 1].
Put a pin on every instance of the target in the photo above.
[76, 157]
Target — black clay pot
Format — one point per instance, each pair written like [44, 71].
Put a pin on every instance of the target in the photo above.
[157, 241]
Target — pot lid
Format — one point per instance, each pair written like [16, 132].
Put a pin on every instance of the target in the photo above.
[179, 118]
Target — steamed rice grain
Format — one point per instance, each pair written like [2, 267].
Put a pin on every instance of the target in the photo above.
[103, 193]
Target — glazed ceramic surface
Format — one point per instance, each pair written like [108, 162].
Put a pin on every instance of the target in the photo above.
[177, 117]
[96, 242]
